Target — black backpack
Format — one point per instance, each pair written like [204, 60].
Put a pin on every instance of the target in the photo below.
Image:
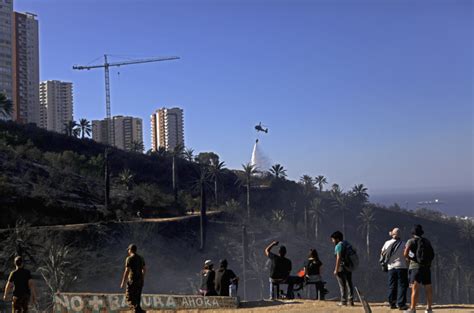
[424, 253]
[350, 259]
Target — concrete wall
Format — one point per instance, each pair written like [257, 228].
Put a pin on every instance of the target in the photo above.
[112, 303]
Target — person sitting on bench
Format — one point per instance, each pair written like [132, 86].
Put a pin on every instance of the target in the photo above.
[280, 270]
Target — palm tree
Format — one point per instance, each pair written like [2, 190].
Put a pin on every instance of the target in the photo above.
[249, 171]
[85, 127]
[175, 153]
[335, 189]
[278, 216]
[308, 188]
[189, 154]
[126, 178]
[278, 171]
[320, 181]
[318, 212]
[467, 232]
[359, 193]
[340, 203]
[215, 170]
[307, 182]
[201, 184]
[71, 129]
[6, 106]
[367, 218]
[137, 146]
[162, 152]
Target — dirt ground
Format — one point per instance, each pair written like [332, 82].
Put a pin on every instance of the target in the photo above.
[305, 306]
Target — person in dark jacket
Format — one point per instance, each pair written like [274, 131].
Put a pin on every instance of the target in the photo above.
[224, 279]
[208, 277]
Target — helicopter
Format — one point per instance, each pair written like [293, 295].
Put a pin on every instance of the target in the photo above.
[260, 128]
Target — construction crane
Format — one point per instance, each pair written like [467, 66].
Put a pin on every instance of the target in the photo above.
[106, 66]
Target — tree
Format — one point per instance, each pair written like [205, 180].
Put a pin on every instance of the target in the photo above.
[175, 153]
[60, 267]
[340, 203]
[278, 171]
[320, 180]
[278, 216]
[126, 178]
[85, 128]
[207, 158]
[308, 190]
[335, 189]
[367, 219]
[137, 146]
[360, 195]
[189, 154]
[19, 241]
[71, 129]
[249, 171]
[467, 232]
[162, 152]
[201, 183]
[6, 106]
[318, 211]
[308, 184]
[215, 170]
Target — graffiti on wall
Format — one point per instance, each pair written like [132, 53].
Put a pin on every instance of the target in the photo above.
[113, 303]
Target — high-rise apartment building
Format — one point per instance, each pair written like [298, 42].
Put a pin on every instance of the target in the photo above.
[167, 129]
[26, 105]
[56, 105]
[6, 48]
[128, 131]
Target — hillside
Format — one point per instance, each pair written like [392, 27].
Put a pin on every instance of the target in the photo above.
[51, 179]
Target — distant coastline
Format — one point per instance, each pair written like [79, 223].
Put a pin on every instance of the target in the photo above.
[452, 203]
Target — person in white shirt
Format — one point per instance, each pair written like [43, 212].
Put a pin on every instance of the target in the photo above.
[397, 270]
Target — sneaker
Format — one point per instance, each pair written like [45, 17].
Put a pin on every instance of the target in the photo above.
[429, 311]
[409, 311]
[403, 307]
[342, 304]
[393, 306]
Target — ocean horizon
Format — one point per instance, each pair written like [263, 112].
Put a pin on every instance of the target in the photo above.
[452, 203]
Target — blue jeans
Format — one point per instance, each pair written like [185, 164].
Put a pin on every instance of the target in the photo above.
[290, 281]
[397, 285]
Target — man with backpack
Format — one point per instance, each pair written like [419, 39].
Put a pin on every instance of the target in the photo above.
[346, 262]
[420, 253]
[394, 262]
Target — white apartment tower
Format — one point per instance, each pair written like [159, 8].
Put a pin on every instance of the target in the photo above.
[56, 105]
[6, 48]
[128, 131]
[167, 129]
[26, 106]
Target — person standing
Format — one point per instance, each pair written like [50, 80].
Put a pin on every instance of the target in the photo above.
[134, 278]
[392, 251]
[224, 279]
[420, 253]
[208, 277]
[24, 287]
[342, 273]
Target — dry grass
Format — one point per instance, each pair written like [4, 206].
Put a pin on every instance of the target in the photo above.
[305, 306]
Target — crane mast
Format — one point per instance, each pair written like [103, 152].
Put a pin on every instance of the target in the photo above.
[106, 66]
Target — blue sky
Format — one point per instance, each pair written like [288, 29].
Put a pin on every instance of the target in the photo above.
[373, 92]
